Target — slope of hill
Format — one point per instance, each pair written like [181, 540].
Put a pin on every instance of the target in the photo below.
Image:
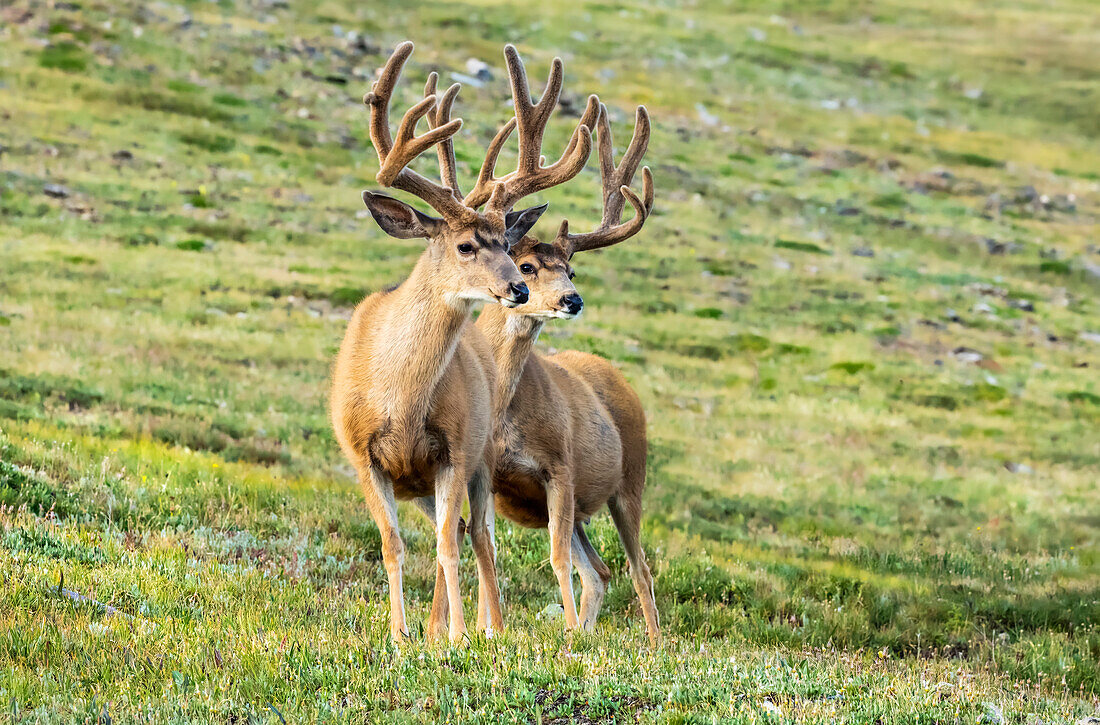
[863, 322]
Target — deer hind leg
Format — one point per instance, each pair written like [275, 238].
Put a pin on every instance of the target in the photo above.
[628, 520]
[559, 501]
[450, 486]
[594, 576]
[378, 491]
[483, 537]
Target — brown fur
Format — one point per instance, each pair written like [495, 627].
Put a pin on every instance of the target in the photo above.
[570, 431]
[573, 439]
[412, 403]
[414, 385]
[570, 439]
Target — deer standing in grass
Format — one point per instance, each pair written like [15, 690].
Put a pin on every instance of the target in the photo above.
[570, 433]
[413, 384]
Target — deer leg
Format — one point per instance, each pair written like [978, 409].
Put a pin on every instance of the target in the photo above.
[450, 489]
[628, 520]
[437, 620]
[378, 491]
[483, 538]
[594, 576]
[559, 501]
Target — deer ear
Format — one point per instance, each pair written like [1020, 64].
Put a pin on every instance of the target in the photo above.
[518, 223]
[562, 243]
[398, 219]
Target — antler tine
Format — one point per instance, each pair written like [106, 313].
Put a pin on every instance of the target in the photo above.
[486, 181]
[395, 155]
[531, 119]
[616, 189]
[440, 116]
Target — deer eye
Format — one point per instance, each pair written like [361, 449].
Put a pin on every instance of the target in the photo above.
[465, 248]
[527, 268]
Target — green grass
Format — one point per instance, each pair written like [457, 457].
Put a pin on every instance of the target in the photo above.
[848, 519]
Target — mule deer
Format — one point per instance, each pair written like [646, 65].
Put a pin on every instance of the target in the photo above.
[413, 384]
[570, 433]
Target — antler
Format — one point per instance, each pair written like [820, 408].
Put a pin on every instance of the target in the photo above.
[439, 117]
[394, 156]
[616, 189]
[531, 119]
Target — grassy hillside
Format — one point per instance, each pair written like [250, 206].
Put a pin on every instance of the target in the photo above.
[863, 321]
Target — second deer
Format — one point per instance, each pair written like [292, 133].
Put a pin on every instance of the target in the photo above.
[571, 432]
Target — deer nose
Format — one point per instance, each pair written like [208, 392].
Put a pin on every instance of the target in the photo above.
[520, 293]
[572, 303]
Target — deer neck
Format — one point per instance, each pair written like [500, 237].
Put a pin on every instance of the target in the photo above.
[421, 331]
[512, 337]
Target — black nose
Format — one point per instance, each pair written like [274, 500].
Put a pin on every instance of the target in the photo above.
[519, 292]
[572, 303]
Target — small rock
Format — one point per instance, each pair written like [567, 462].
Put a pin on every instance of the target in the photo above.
[469, 80]
[771, 708]
[951, 315]
[982, 307]
[996, 248]
[123, 155]
[758, 35]
[551, 612]
[479, 69]
[863, 252]
[568, 106]
[1024, 305]
[966, 355]
[1064, 203]
[359, 43]
[56, 191]
[706, 116]
[780, 263]
[1026, 195]
[1013, 467]
[1090, 337]
[992, 714]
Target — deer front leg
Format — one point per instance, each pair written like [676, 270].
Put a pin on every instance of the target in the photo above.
[378, 491]
[482, 536]
[437, 620]
[559, 501]
[450, 487]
